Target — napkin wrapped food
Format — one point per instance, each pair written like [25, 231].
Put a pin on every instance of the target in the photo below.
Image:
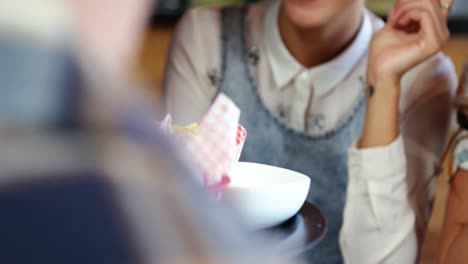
[215, 144]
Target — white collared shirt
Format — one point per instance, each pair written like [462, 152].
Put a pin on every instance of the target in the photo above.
[312, 92]
[379, 219]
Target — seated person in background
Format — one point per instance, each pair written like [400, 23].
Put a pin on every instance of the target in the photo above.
[453, 248]
[323, 84]
[455, 231]
[75, 187]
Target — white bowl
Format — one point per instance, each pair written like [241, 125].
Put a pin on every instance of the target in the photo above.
[263, 196]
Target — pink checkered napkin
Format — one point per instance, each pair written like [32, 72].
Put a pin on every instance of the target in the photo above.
[218, 142]
[240, 139]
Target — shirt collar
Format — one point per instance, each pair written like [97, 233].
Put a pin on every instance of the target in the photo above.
[325, 76]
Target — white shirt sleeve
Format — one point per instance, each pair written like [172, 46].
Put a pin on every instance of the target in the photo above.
[381, 220]
[378, 219]
[187, 89]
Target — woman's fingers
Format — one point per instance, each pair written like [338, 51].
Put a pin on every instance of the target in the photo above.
[402, 7]
[406, 17]
[415, 31]
[429, 40]
[393, 12]
[408, 21]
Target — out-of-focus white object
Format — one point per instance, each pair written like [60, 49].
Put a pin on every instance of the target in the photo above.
[264, 196]
[43, 21]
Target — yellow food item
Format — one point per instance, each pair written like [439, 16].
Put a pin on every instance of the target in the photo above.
[189, 129]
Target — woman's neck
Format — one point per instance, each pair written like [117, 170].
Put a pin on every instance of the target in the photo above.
[315, 46]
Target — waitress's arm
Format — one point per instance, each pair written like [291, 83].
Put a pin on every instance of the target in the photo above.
[381, 223]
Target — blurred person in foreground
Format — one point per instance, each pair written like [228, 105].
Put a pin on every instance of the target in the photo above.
[84, 175]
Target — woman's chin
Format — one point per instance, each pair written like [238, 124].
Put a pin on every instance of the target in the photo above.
[306, 20]
[316, 13]
[305, 3]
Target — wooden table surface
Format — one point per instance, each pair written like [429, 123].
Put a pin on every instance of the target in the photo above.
[153, 57]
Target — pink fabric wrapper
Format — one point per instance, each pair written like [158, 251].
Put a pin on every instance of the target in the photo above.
[217, 145]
